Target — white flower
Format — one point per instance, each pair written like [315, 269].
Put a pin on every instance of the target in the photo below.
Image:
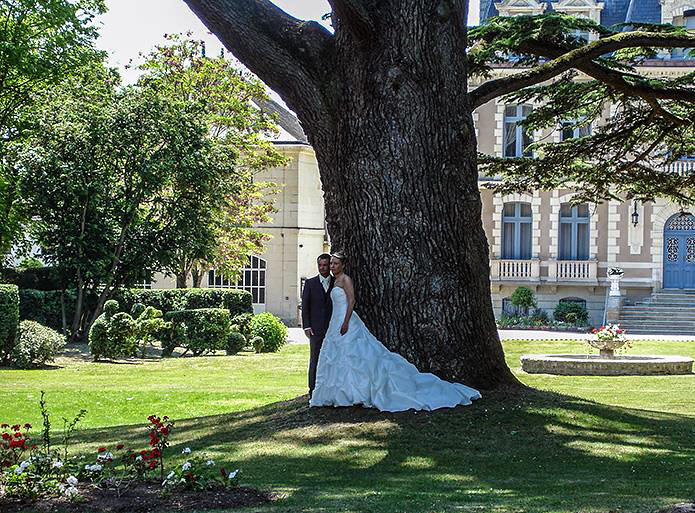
[72, 480]
[186, 466]
[18, 470]
[94, 468]
[107, 456]
[24, 464]
[171, 474]
[232, 475]
[210, 463]
[139, 458]
[71, 491]
[187, 450]
[57, 464]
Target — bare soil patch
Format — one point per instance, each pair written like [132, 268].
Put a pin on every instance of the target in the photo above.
[142, 498]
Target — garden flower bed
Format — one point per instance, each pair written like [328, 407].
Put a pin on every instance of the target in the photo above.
[37, 474]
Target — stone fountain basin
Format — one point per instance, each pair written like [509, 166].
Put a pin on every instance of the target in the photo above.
[595, 365]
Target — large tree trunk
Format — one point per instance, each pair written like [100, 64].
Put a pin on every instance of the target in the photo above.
[401, 185]
[396, 149]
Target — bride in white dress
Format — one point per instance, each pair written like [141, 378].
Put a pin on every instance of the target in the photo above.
[355, 368]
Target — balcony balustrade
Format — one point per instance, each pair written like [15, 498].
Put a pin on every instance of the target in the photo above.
[583, 271]
[683, 167]
[524, 270]
[572, 270]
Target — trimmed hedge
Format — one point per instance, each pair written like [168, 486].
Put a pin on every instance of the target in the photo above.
[206, 329]
[9, 320]
[36, 345]
[43, 306]
[174, 300]
[37, 278]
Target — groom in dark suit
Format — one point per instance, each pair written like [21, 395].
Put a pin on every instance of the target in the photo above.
[316, 312]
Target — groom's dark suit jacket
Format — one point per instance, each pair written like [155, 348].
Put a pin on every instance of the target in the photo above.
[316, 306]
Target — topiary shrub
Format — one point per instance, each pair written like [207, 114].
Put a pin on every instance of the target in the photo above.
[523, 298]
[9, 320]
[36, 345]
[149, 325]
[244, 322]
[271, 329]
[206, 329]
[257, 343]
[572, 313]
[235, 343]
[113, 334]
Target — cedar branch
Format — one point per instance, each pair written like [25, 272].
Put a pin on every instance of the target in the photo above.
[582, 59]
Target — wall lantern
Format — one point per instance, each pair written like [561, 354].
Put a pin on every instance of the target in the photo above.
[635, 215]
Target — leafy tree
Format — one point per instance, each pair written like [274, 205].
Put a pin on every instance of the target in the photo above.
[653, 125]
[41, 42]
[229, 97]
[109, 175]
[384, 101]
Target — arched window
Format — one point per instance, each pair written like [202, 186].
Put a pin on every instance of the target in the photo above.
[508, 308]
[516, 137]
[516, 231]
[574, 232]
[252, 279]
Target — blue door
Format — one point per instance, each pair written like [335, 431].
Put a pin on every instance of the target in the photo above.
[679, 252]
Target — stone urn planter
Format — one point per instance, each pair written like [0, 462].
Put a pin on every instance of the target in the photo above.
[606, 348]
[608, 339]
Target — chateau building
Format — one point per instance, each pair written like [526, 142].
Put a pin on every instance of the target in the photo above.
[539, 239]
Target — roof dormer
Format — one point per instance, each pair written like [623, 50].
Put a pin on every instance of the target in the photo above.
[520, 7]
[672, 11]
[590, 9]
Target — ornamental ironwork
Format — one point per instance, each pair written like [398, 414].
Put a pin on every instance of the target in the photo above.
[682, 222]
[690, 250]
[672, 249]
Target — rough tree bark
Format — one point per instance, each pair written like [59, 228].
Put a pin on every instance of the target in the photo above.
[383, 106]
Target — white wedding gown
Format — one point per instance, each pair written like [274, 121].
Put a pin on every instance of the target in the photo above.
[356, 368]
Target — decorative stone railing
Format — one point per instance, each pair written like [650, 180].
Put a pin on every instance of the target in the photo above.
[515, 269]
[572, 270]
[682, 167]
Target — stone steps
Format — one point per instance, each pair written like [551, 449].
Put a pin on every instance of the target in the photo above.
[664, 312]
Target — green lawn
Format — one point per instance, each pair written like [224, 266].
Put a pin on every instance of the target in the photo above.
[570, 445]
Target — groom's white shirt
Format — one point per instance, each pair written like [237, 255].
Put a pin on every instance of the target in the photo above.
[326, 282]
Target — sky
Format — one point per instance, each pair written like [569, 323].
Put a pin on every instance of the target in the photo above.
[134, 26]
[131, 27]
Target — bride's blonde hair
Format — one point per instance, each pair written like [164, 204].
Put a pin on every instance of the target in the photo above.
[340, 256]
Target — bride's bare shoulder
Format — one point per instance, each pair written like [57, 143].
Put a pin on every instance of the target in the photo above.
[343, 281]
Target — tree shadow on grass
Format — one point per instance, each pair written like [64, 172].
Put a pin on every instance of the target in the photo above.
[515, 450]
